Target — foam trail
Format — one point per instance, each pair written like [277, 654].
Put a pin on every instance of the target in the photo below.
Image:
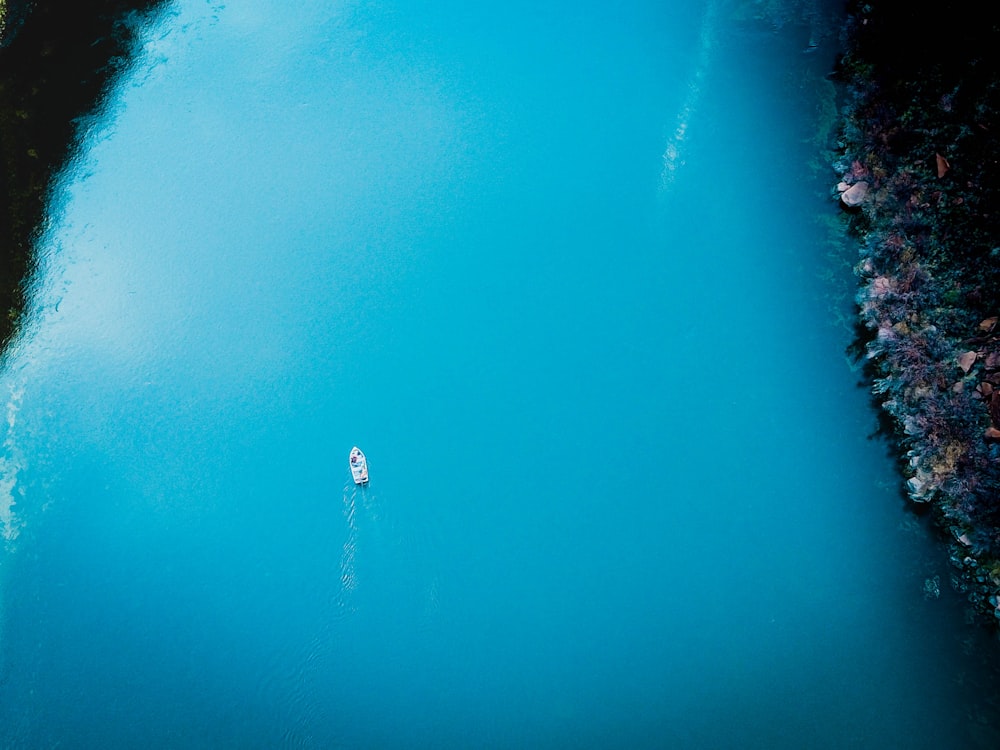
[348, 578]
[360, 506]
[11, 464]
[673, 156]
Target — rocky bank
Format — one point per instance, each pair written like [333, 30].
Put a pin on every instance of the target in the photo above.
[918, 173]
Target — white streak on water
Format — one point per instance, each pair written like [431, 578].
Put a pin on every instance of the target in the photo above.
[348, 578]
[673, 155]
[11, 464]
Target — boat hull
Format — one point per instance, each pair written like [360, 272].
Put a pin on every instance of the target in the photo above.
[359, 466]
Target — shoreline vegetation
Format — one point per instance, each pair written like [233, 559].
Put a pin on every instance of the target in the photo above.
[57, 61]
[920, 181]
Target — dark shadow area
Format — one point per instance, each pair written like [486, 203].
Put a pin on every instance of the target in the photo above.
[57, 62]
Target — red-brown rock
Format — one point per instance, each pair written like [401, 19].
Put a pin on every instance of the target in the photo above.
[995, 407]
[942, 165]
[855, 194]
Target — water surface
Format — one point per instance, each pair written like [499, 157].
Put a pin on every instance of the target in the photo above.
[566, 274]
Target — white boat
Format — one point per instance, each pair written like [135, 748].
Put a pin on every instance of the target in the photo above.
[359, 466]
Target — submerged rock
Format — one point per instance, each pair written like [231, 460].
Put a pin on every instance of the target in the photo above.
[932, 587]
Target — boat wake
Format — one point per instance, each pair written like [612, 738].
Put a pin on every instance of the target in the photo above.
[348, 575]
[293, 680]
[360, 507]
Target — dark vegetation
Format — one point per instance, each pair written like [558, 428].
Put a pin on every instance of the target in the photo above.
[57, 60]
[922, 130]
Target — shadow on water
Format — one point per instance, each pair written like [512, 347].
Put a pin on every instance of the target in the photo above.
[58, 61]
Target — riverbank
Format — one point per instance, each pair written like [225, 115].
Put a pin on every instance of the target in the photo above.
[56, 63]
[919, 175]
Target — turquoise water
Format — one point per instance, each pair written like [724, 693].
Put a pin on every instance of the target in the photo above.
[566, 274]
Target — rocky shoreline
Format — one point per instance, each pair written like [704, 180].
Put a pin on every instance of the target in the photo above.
[920, 178]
